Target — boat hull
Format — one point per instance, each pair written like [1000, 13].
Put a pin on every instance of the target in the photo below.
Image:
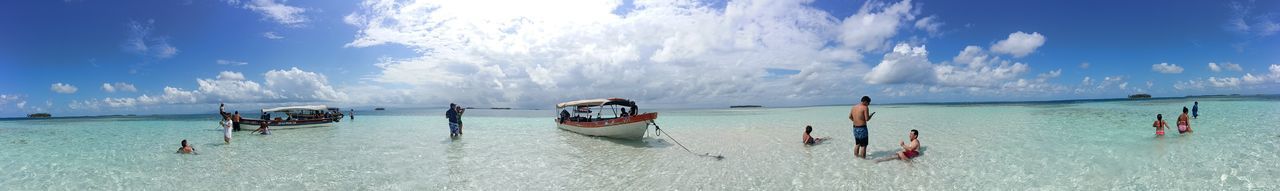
[632, 127]
[254, 123]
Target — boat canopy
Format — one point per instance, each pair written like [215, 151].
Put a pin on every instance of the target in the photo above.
[295, 108]
[597, 102]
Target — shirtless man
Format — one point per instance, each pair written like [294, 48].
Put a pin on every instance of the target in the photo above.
[909, 150]
[1184, 126]
[186, 148]
[859, 115]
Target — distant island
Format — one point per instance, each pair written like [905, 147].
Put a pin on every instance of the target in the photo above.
[39, 115]
[1139, 96]
[379, 109]
[500, 108]
[745, 106]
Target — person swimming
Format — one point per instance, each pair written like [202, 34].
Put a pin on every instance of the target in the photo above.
[186, 148]
[809, 139]
[1160, 125]
[1184, 125]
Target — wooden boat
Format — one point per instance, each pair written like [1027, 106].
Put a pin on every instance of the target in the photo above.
[601, 122]
[294, 116]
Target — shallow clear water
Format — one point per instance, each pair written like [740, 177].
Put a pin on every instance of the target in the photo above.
[1041, 146]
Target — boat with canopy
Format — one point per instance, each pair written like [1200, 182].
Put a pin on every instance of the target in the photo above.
[611, 117]
[295, 116]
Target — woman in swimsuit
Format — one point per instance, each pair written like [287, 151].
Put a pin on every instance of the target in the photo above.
[809, 139]
[1184, 126]
[1160, 125]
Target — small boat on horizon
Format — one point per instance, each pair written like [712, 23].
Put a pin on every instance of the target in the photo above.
[294, 116]
[379, 109]
[606, 120]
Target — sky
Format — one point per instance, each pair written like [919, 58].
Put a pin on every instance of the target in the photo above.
[92, 57]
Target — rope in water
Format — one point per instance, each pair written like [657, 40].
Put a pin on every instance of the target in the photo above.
[659, 132]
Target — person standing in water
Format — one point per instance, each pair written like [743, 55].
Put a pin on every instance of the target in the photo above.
[452, 115]
[352, 113]
[235, 121]
[859, 115]
[1184, 125]
[226, 129]
[1195, 110]
[1160, 125]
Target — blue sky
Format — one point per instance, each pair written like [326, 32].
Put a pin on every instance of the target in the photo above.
[147, 57]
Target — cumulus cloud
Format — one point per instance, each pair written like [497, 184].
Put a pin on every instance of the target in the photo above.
[1019, 44]
[274, 11]
[1166, 68]
[1084, 65]
[272, 35]
[141, 41]
[875, 23]
[230, 62]
[63, 88]
[905, 64]
[545, 52]
[281, 86]
[1215, 67]
[118, 86]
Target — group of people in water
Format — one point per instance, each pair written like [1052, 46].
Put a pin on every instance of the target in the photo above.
[1184, 122]
[860, 114]
[454, 114]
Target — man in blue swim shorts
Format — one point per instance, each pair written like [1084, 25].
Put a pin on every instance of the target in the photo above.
[860, 115]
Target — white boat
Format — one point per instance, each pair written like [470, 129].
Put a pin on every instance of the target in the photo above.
[600, 122]
[293, 117]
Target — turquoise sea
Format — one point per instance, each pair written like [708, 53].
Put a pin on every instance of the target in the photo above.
[1067, 145]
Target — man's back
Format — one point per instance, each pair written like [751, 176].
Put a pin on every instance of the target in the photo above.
[858, 115]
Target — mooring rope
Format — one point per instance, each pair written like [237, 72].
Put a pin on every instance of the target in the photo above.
[658, 132]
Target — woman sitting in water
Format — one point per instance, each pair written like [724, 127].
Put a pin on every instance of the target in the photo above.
[809, 139]
[1160, 125]
[186, 148]
[262, 127]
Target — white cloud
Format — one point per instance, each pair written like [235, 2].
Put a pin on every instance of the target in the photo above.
[230, 62]
[277, 12]
[545, 52]
[4, 99]
[272, 35]
[281, 86]
[1019, 44]
[296, 84]
[1049, 75]
[118, 86]
[1166, 68]
[905, 64]
[976, 68]
[1246, 20]
[21, 104]
[1228, 66]
[1087, 81]
[929, 24]
[1229, 82]
[63, 88]
[1084, 65]
[141, 41]
[230, 76]
[1275, 71]
[869, 29]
